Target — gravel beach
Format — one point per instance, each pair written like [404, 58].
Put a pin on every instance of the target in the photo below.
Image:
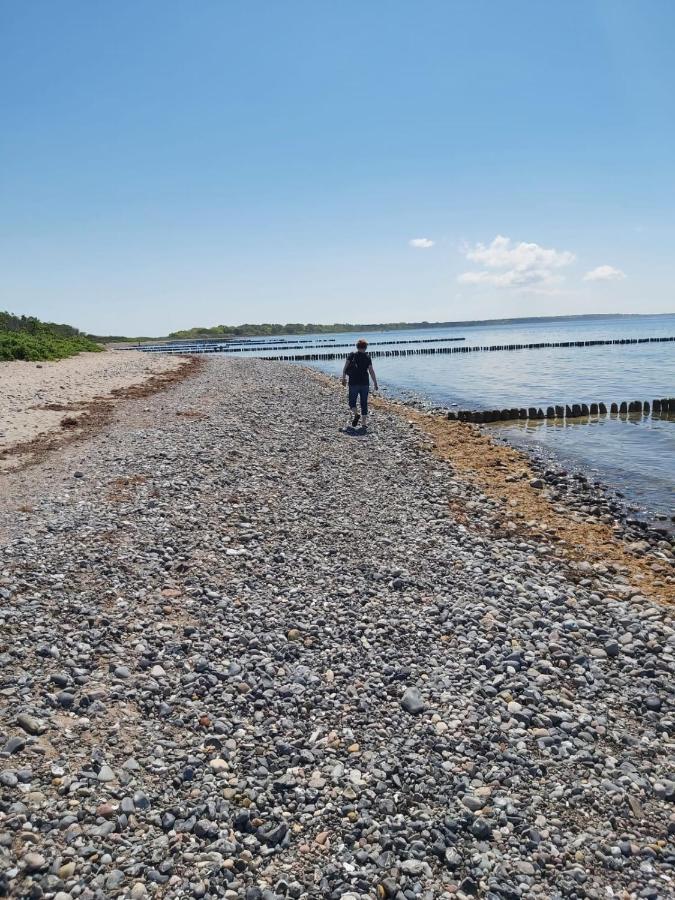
[247, 654]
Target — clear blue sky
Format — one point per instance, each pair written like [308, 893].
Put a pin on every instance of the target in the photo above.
[169, 164]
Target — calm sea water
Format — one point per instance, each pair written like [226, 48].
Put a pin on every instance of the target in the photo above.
[633, 454]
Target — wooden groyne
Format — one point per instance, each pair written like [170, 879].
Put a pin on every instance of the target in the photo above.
[419, 351]
[566, 411]
[242, 347]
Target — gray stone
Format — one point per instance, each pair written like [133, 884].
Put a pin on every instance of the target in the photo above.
[30, 724]
[412, 701]
[473, 803]
[15, 744]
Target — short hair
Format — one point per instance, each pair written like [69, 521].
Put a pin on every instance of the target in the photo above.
[362, 343]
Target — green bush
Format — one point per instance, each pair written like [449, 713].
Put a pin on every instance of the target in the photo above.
[41, 346]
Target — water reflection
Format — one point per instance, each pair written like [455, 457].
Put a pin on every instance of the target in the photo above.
[632, 452]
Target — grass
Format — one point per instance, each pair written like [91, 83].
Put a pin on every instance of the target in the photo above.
[42, 346]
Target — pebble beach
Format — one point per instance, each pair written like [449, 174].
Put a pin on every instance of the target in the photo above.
[246, 652]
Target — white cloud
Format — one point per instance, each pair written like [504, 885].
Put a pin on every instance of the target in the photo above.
[605, 273]
[421, 243]
[511, 278]
[510, 265]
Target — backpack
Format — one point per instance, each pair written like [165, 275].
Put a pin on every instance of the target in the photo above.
[352, 368]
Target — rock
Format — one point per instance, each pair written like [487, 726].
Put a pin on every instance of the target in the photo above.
[106, 774]
[105, 810]
[387, 888]
[636, 807]
[413, 866]
[34, 862]
[317, 782]
[469, 887]
[65, 699]
[275, 835]
[452, 858]
[206, 829]
[473, 803]
[412, 701]
[15, 744]
[30, 724]
[114, 880]
[481, 829]
[141, 801]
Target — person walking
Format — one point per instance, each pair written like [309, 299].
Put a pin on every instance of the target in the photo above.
[359, 368]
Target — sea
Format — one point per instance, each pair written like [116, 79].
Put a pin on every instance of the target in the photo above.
[633, 454]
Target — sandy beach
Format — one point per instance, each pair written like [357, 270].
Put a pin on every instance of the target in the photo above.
[29, 389]
[36, 397]
[246, 652]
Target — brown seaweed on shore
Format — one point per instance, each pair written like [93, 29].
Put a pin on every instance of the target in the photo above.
[505, 474]
[95, 415]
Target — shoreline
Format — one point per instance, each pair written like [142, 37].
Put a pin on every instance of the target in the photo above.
[636, 522]
[338, 328]
[537, 501]
[247, 653]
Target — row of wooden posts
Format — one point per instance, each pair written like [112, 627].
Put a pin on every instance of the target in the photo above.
[431, 351]
[225, 347]
[573, 411]
[421, 351]
[352, 344]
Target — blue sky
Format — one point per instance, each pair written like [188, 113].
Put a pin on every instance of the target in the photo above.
[165, 164]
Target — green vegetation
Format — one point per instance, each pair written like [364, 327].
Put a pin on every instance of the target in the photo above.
[267, 328]
[25, 337]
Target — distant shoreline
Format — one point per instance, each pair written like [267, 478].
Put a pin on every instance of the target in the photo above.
[233, 332]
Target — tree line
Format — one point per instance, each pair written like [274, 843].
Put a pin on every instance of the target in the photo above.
[28, 338]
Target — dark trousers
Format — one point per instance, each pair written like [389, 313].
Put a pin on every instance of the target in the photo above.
[359, 391]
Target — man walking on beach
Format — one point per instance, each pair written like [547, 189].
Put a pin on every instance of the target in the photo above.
[358, 366]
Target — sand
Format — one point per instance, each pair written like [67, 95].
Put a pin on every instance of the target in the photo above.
[35, 397]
